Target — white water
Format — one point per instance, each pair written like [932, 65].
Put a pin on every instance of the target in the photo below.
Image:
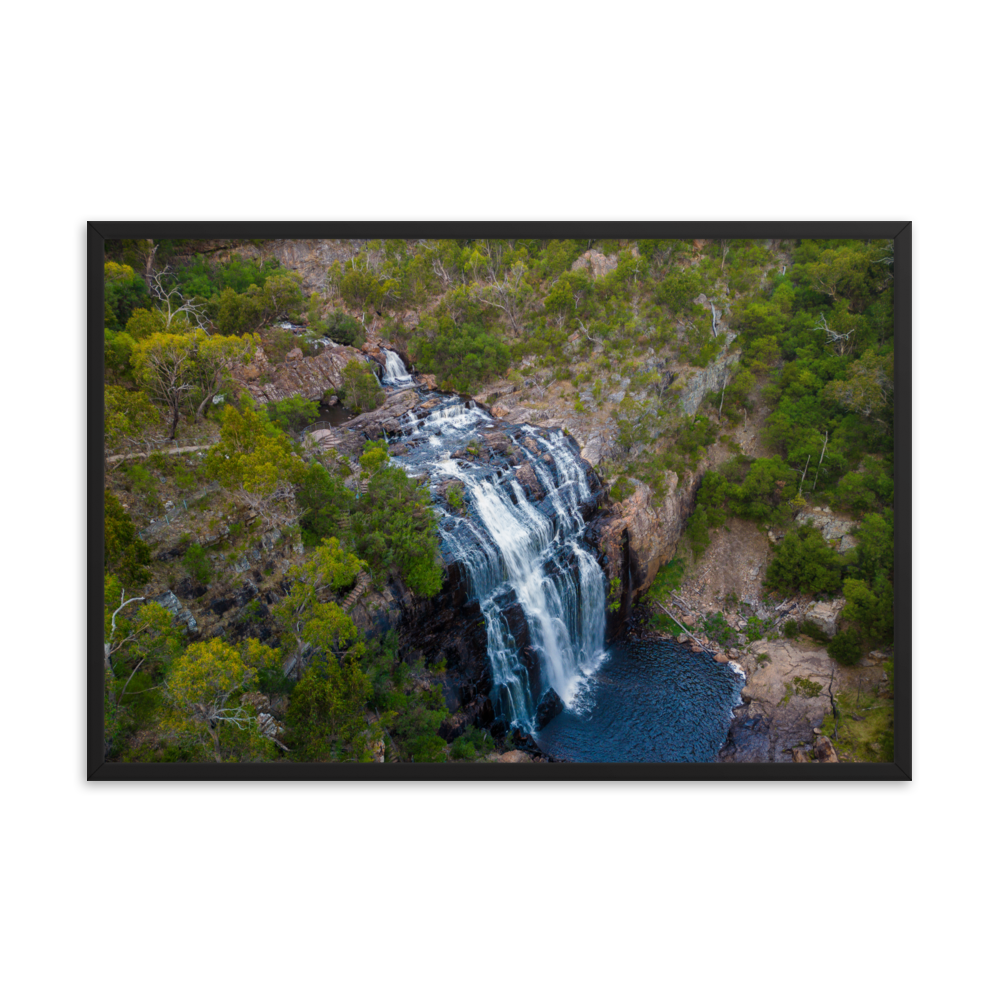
[513, 551]
[395, 371]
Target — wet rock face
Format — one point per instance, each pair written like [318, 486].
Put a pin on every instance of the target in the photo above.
[549, 707]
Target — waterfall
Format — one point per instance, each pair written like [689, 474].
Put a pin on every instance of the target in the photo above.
[395, 371]
[540, 589]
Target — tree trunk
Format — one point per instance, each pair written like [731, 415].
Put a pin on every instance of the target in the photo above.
[215, 739]
[204, 403]
[177, 420]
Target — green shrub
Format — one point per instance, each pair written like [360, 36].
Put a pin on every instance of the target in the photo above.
[463, 357]
[845, 648]
[125, 553]
[471, 744]
[803, 562]
[790, 629]
[808, 688]
[416, 726]
[198, 564]
[293, 413]
[343, 329]
[622, 489]
[141, 480]
[360, 389]
[814, 632]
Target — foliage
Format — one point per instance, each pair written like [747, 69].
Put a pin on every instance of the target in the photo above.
[871, 608]
[845, 648]
[198, 564]
[874, 552]
[804, 563]
[118, 347]
[125, 553]
[326, 711]
[867, 389]
[472, 744]
[235, 313]
[201, 682]
[462, 356]
[614, 594]
[122, 298]
[256, 466]
[323, 500]
[394, 528]
[416, 726]
[343, 329]
[130, 420]
[293, 413]
[814, 632]
[456, 497]
[360, 389]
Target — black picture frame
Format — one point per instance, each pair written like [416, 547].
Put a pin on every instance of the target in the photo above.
[97, 769]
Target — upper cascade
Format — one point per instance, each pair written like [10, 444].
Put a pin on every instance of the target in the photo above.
[395, 371]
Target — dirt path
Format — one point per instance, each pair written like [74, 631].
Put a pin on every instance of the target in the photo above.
[159, 451]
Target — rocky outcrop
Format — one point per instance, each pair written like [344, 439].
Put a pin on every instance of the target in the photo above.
[169, 600]
[384, 420]
[315, 377]
[693, 383]
[640, 534]
[548, 708]
[786, 696]
[595, 263]
[833, 528]
[825, 752]
[825, 615]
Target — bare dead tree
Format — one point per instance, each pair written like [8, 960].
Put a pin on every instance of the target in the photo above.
[173, 302]
[826, 437]
[501, 290]
[841, 342]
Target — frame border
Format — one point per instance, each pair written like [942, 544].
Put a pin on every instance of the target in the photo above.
[98, 231]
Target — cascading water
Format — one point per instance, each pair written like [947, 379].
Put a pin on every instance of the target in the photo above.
[395, 371]
[513, 502]
[540, 590]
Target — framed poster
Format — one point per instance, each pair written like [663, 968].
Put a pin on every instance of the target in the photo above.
[377, 501]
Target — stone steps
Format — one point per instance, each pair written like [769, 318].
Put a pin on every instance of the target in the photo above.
[359, 588]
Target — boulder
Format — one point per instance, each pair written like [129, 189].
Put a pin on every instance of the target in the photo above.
[515, 757]
[256, 700]
[825, 751]
[168, 599]
[721, 658]
[800, 755]
[833, 528]
[374, 350]
[825, 615]
[527, 478]
[548, 708]
[295, 354]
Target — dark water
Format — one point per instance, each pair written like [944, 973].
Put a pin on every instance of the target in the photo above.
[337, 414]
[650, 701]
